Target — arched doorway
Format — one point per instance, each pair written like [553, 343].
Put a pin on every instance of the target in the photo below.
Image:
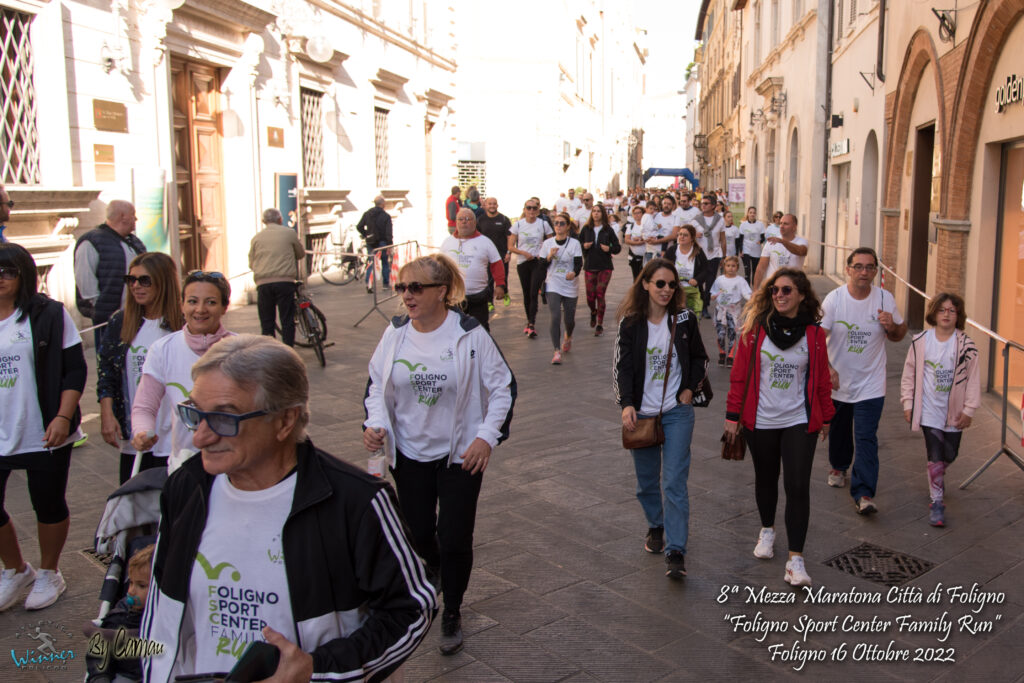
[869, 192]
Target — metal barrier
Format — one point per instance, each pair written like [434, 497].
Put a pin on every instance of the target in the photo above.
[398, 258]
[1004, 428]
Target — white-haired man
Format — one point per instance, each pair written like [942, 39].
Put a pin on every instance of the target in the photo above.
[274, 255]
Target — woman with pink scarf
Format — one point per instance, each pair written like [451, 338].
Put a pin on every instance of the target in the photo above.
[167, 371]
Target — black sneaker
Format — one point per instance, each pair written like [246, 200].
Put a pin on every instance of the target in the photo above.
[728, 362]
[676, 565]
[533, 332]
[599, 330]
[655, 541]
[721, 359]
[593, 319]
[451, 632]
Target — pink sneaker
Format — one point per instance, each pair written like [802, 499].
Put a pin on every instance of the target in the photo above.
[556, 359]
[526, 330]
[567, 344]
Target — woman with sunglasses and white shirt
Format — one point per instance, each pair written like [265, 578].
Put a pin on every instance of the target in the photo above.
[651, 316]
[528, 235]
[564, 257]
[152, 310]
[167, 372]
[438, 400]
[780, 393]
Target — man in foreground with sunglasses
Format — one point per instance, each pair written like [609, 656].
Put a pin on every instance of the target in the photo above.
[858, 318]
[263, 537]
[102, 256]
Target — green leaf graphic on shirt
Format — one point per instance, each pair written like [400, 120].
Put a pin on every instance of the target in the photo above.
[214, 572]
[771, 357]
[183, 390]
[412, 366]
[932, 364]
[136, 349]
[849, 326]
[8, 382]
[656, 349]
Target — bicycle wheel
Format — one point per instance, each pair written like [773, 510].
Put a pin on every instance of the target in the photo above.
[303, 331]
[312, 324]
[341, 272]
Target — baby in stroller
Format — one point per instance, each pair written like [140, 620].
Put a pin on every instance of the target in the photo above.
[119, 624]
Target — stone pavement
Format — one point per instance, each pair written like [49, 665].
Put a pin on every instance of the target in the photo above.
[562, 589]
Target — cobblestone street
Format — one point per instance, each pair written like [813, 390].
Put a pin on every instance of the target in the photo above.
[562, 589]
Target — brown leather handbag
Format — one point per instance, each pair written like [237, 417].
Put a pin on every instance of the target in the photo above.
[735, 448]
[648, 431]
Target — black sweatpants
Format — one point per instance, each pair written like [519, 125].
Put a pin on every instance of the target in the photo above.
[531, 276]
[791, 448]
[439, 506]
[279, 296]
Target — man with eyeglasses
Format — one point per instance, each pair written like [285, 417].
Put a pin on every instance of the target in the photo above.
[274, 255]
[786, 251]
[858, 318]
[102, 256]
[5, 211]
[263, 536]
[582, 214]
[478, 259]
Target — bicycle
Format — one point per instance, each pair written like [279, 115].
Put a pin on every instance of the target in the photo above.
[350, 259]
[310, 324]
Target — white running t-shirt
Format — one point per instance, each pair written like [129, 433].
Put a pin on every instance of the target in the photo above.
[474, 257]
[562, 265]
[656, 354]
[780, 257]
[783, 381]
[135, 359]
[939, 364]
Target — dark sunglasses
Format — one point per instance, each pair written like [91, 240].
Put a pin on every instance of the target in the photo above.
[532, 208]
[9, 203]
[8, 273]
[660, 284]
[221, 424]
[143, 280]
[784, 290]
[200, 274]
[561, 223]
[414, 287]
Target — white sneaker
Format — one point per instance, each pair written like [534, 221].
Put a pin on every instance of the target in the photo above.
[765, 548]
[48, 587]
[796, 575]
[836, 478]
[12, 583]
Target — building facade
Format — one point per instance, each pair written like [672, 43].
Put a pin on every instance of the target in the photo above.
[557, 108]
[206, 112]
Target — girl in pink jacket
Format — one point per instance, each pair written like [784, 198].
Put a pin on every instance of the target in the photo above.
[941, 390]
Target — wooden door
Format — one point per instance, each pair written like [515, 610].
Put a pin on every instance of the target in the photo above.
[198, 166]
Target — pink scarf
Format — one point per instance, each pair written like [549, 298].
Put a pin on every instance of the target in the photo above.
[200, 343]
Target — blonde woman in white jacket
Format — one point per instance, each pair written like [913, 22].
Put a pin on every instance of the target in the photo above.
[438, 400]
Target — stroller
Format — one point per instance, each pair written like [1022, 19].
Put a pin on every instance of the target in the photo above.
[129, 523]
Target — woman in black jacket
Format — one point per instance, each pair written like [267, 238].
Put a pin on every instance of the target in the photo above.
[599, 243]
[42, 375]
[691, 264]
[653, 319]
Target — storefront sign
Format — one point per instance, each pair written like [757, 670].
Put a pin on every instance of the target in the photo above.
[1010, 92]
[275, 137]
[839, 147]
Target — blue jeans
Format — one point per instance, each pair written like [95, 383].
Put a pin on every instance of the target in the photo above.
[671, 459]
[856, 423]
[385, 268]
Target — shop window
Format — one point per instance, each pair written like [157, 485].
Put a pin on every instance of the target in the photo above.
[19, 141]
[312, 138]
[1009, 275]
[380, 145]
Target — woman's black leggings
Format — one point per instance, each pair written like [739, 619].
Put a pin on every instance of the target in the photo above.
[793, 449]
[531, 276]
[46, 487]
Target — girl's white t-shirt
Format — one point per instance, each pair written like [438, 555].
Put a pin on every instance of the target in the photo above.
[21, 420]
[656, 354]
[752, 238]
[636, 231]
[170, 362]
[425, 385]
[685, 264]
[939, 364]
[783, 378]
[731, 291]
[530, 235]
[134, 361]
[562, 265]
[731, 233]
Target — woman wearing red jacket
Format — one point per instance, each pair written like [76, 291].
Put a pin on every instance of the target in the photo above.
[781, 394]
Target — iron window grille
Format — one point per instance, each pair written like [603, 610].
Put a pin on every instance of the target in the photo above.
[380, 142]
[312, 138]
[19, 140]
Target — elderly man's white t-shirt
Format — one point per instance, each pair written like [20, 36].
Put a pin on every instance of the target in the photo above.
[474, 257]
[780, 257]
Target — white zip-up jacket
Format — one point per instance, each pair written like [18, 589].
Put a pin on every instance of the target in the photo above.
[484, 398]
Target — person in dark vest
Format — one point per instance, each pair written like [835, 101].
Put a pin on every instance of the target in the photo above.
[376, 227]
[102, 256]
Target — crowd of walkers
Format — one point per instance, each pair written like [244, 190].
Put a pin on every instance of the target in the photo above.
[439, 400]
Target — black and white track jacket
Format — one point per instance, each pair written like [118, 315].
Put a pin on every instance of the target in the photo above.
[360, 596]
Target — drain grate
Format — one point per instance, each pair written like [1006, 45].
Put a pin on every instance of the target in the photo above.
[881, 565]
[101, 561]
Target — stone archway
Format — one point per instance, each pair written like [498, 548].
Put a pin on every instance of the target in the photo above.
[920, 52]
